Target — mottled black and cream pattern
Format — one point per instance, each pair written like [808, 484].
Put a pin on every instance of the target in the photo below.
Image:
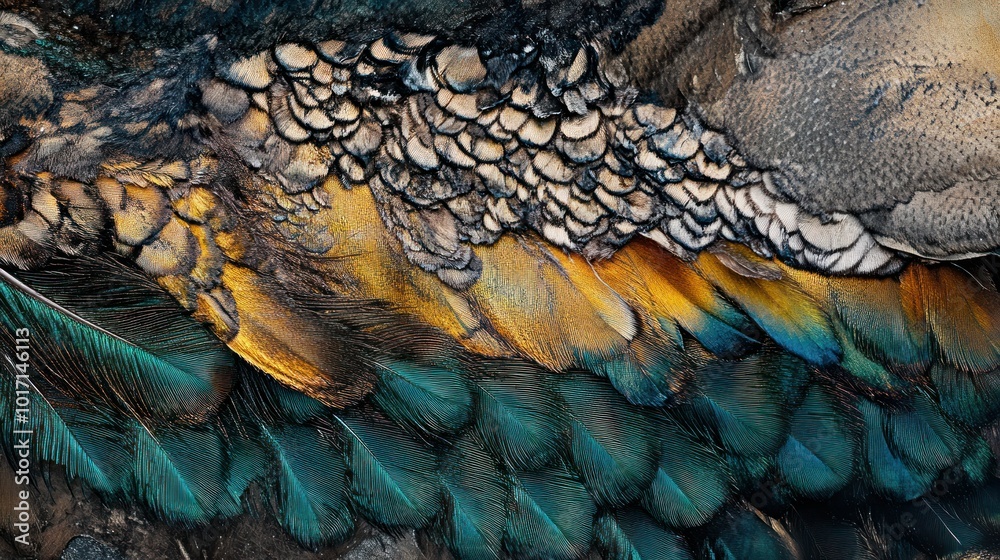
[460, 145]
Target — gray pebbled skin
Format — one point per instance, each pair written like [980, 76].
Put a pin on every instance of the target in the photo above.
[886, 110]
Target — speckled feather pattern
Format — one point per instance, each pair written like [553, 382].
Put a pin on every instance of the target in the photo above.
[524, 279]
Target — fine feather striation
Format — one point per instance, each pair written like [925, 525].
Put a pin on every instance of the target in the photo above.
[108, 334]
[534, 403]
[632, 534]
[177, 472]
[477, 499]
[504, 457]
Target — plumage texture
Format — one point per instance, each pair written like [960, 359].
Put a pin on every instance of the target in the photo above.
[502, 292]
[501, 457]
[168, 367]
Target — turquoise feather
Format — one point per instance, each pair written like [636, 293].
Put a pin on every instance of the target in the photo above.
[888, 474]
[824, 538]
[260, 397]
[632, 535]
[982, 508]
[552, 516]
[641, 384]
[740, 404]
[883, 331]
[819, 457]
[247, 459]
[516, 416]
[502, 458]
[477, 494]
[178, 472]
[434, 399]
[612, 445]
[869, 372]
[167, 366]
[743, 534]
[310, 499]
[970, 398]
[731, 335]
[87, 441]
[813, 341]
[394, 478]
[978, 463]
[941, 530]
[691, 483]
[923, 437]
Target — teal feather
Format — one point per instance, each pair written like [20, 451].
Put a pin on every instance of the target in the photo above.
[306, 472]
[720, 327]
[923, 437]
[813, 340]
[882, 331]
[982, 508]
[939, 529]
[477, 502]
[86, 441]
[641, 384]
[788, 374]
[898, 549]
[250, 422]
[612, 445]
[247, 459]
[970, 398]
[393, 477]
[820, 455]
[552, 516]
[516, 415]
[311, 497]
[870, 372]
[516, 460]
[740, 404]
[744, 535]
[823, 538]
[978, 463]
[749, 471]
[888, 474]
[428, 398]
[726, 336]
[645, 372]
[632, 535]
[163, 364]
[259, 396]
[178, 472]
[691, 484]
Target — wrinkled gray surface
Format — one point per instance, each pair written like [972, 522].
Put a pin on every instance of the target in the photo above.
[888, 110]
